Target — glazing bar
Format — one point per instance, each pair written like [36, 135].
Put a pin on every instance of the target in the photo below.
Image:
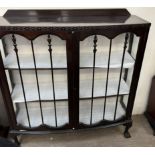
[107, 79]
[94, 58]
[38, 88]
[124, 49]
[21, 78]
[52, 75]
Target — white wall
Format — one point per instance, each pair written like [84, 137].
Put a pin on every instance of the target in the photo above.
[148, 68]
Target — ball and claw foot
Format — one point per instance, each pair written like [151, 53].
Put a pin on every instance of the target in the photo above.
[16, 140]
[127, 134]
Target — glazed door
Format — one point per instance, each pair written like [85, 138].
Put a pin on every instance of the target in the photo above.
[37, 79]
[105, 74]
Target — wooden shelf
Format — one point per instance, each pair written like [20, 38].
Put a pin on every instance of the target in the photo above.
[59, 61]
[46, 92]
[48, 114]
[42, 61]
[85, 111]
[62, 113]
[61, 92]
[86, 60]
[99, 88]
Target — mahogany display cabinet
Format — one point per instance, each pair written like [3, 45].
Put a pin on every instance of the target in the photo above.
[67, 70]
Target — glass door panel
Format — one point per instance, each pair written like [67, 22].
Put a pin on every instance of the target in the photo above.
[106, 67]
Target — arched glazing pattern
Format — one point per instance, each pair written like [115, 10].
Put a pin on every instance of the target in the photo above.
[37, 71]
[106, 67]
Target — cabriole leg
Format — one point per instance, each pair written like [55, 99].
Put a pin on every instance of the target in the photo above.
[126, 132]
[16, 140]
[14, 137]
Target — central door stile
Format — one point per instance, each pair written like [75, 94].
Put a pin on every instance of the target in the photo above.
[76, 60]
[72, 47]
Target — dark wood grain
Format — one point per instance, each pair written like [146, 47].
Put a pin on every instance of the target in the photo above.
[63, 16]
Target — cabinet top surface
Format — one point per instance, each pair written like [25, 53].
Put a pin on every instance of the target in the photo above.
[69, 18]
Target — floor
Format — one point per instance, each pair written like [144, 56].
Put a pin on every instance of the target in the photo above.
[141, 133]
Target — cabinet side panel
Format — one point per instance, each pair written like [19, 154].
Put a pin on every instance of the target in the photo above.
[137, 69]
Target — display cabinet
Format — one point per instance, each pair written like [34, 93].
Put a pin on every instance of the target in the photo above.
[64, 70]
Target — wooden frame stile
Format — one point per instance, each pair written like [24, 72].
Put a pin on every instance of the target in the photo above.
[71, 82]
[76, 78]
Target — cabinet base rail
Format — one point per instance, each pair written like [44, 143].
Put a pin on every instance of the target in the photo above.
[15, 133]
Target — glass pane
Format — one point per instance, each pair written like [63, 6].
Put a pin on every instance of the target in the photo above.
[105, 76]
[40, 96]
